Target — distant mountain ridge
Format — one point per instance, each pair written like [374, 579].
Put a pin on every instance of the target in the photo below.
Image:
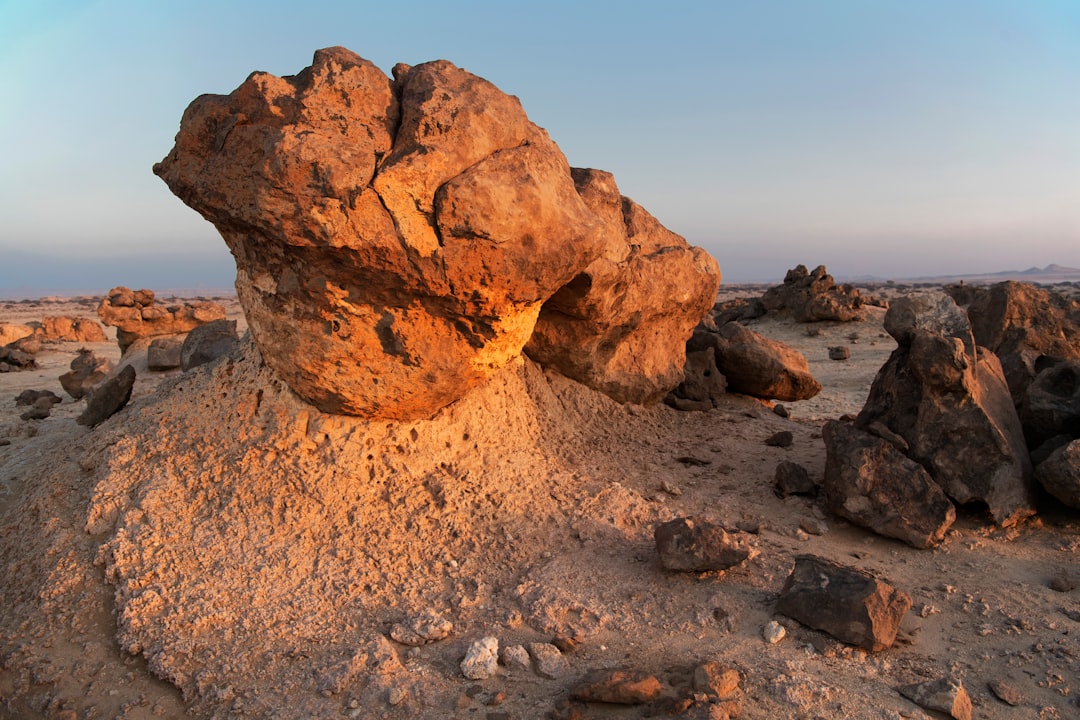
[1052, 273]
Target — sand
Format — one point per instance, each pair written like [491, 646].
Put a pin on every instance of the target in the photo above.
[221, 549]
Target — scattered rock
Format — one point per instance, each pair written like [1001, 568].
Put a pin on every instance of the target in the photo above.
[164, 353]
[515, 656]
[207, 343]
[792, 478]
[30, 397]
[945, 695]
[782, 439]
[839, 352]
[1062, 582]
[1059, 474]
[377, 657]
[1019, 323]
[697, 545]
[1006, 693]
[107, 398]
[953, 409]
[717, 680]
[424, 629]
[134, 315]
[780, 411]
[548, 662]
[87, 370]
[19, 355]
[482, 659]
[40, 410]
[872, 484]
[813, 526]
[620, 687]
[754, 365]
[813, 296]
[773, 632]
[851, 605]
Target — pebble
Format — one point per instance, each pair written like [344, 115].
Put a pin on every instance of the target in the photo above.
[482, 659]
[549, 662]
[813, 526]
[781, 411]
[773, 632]
[515, 656]
[839, 352]
[782, 439]
[1006, 693]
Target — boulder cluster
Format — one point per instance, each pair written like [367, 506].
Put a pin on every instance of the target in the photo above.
[399, 240]
[135, 314]
[946, 424]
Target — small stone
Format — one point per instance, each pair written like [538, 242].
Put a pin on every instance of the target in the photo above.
[1062, 582]
[773, 632]
[813, 526]
[782, 439]
[944, 695]
[792, 478]
[549, 662]
[780, 411]
[427, 628]
[697, 545]
[396, 695]
[515, 656]
[839, 352]
[670, 488]
[716, 680]
[482, 659]
[621, 687]
[1006, 693]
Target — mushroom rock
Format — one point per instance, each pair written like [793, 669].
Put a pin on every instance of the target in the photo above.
[394, 239]
[621, 324]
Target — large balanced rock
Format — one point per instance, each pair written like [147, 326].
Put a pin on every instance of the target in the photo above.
[135, 315]
[872, 484]
[396, 239]
[613, 326]
[813, 296]
[1020, 323]
[755, 365]
[949, 402]
[851, 605]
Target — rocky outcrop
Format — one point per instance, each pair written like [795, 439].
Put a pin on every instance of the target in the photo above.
[949, 403]
[87, 370]
[812, 297]
[70, 329]
[611, 327]
[135, 315]
[1019, 323]
[10, 332]
[851, 605]
[395, 240]
[754, 365]
[872, 484]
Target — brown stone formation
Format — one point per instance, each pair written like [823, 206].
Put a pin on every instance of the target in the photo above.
[813, 296]
[754, 365]
[135, 315]
[396, 239]
[71, 329]
[618, 326]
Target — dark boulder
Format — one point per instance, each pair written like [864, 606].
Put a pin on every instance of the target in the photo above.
[108, 398]
[207, 343]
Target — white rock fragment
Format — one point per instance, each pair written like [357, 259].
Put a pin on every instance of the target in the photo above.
[482, 659]
[773, 632]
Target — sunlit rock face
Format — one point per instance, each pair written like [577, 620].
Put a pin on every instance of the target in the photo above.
[395, 239]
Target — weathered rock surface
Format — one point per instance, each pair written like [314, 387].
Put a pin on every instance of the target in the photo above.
[423, 629]
[612, 326]
[207, 343]
[164, 353]
[717, 680]
[792, 478]
[754, 365]
[703, 385]
[618, 686]
[872, 484]
[135, 315]
[10, 332]
[395, 240]
[107, 398]
[482, 659]
[1059, 474]
[548, 660]
[19, 354]
[951, 406]
[851, 605]
[695, 544]
[30, 397]
[70, 329]
[1019, 323]
[813, 297]
[87, 370]
[1051, 402]
[945, 695]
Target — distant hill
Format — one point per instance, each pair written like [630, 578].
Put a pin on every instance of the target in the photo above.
[1052, 273]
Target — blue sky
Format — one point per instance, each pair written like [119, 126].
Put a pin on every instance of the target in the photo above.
[888, 138]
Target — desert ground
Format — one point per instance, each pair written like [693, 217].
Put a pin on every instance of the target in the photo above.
[219, 549]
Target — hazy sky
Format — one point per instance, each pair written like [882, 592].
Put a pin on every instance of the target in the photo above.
[893, 138]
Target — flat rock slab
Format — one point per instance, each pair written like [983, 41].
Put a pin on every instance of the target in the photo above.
[851, 605]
